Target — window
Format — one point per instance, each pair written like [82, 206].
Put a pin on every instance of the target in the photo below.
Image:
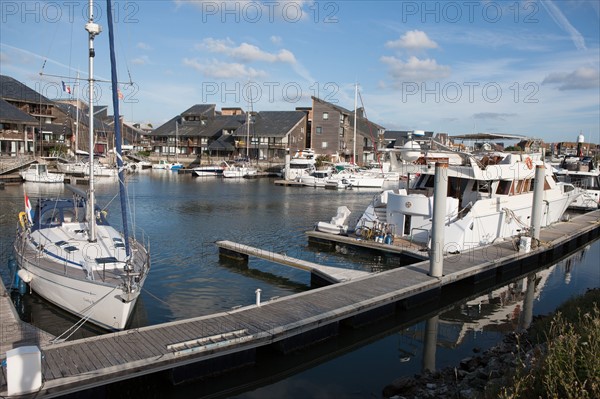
[324, 144]
[325, 115]
[341, 131]
[318, 130]
[504, 187]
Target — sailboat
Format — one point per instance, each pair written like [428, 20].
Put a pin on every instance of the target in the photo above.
[66, 249]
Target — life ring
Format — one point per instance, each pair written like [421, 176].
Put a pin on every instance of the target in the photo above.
[529, 163]
[23, 219]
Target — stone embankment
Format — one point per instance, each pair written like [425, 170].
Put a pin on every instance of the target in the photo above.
[472, 377]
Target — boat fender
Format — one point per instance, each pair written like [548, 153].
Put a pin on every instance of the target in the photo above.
[23, 219]
[22, 287]
[529, 163]
[389, 239]
[25, 275]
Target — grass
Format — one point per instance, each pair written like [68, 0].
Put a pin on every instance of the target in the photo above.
[569, 365]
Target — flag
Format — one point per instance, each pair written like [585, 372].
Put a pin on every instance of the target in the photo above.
[119, 94]
[28, 209]
[66, 88]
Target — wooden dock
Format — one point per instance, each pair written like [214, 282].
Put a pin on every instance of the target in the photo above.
[318, 272]
[15, 333]
[188, 348]
[289, 183]
[400, 246]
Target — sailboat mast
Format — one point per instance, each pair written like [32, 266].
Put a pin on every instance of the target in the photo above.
[248, 135]
[93, 29]
[355, 105]
[117, 124]
[77, 117]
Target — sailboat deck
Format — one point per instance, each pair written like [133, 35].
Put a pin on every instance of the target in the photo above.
[84, 363]
[69, 253]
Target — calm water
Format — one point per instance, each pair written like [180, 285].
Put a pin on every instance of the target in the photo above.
[184, 216]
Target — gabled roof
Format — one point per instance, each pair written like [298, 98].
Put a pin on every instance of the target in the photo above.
[223, 143]
[200, 110]
[12, 114]
[206, 128]
[56, 129]
[336, 107]
[13, 90]
[271, 123]
[363, 123]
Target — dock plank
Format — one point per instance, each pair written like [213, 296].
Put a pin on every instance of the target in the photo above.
[112, 357]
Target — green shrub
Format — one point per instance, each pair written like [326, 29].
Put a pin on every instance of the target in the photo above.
[570, 365]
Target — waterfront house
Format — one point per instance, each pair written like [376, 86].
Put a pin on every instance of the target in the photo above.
[16, 130]
[201, 130]
[22, 135]
[32, 123]
[332, 133]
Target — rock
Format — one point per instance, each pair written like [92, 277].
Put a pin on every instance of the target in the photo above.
[402, 385]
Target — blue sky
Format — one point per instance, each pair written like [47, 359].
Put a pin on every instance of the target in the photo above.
[518, 67]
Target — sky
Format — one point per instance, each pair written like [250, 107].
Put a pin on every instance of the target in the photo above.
[526, 67]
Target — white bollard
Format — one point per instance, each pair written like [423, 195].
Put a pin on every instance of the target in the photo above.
[258, 291]
[23, 370]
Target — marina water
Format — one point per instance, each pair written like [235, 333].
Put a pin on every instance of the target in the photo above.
[184, 216]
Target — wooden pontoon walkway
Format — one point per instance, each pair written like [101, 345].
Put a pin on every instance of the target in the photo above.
[15, 333]
[327, 273]
[76, 365]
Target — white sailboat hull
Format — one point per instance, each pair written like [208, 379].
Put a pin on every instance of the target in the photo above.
[77, 297]
[93, 280]
[43, 178]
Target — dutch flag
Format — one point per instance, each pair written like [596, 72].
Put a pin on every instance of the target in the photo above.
[28, 209]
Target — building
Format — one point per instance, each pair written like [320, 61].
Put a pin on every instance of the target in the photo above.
[201, 130]
[333, 133]
[31, 123]
[19, 133]
[16, 130]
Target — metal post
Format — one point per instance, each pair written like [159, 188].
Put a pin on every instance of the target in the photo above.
[527, 314]
[440, 193]
[430, 343]
[258, 291]
[538, 197]
[287, 166]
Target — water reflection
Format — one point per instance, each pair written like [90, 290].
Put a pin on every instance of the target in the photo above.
[184, 216]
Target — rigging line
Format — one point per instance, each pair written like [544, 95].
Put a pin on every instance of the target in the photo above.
[82, 321]
[370, 131]
[79, 79]
[49, 47]
[154, 296]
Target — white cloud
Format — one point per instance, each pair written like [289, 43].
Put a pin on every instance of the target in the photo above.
[493, 115]
[223, 70]
[144, 46]
[277, 40]
[245, 52]
[142, 60]
[415, 69]
[412, 40]
[581, 79]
